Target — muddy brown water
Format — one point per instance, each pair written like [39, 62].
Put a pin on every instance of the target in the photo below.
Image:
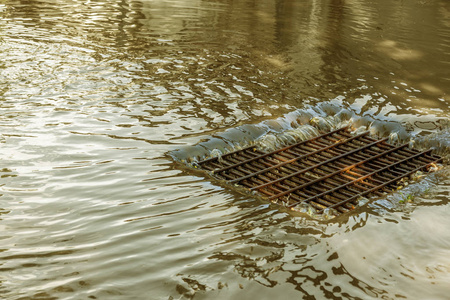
[97, 98]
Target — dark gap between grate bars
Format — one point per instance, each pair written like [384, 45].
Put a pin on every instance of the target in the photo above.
[332, 170]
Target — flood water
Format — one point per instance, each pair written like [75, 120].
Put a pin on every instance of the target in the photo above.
[101, 100]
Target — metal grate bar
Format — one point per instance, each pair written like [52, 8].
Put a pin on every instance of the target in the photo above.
[271, 153]
[382, 185]
[328, 171]
[367, 176]
[294, 160]
[313, 167]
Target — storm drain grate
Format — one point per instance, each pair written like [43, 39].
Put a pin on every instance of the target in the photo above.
[333, 170]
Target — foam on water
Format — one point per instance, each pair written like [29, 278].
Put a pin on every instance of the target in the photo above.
[272, 141]
[309, 122]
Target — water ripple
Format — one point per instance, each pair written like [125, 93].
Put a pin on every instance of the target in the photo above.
[97, 97]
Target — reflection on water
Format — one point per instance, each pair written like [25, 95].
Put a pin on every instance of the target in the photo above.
[94, 94]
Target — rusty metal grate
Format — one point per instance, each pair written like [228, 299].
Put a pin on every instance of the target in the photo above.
[332, 170]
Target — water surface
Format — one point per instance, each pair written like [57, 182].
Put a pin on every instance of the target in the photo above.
[94, 95]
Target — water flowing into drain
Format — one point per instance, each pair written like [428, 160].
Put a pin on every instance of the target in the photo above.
[329, 173]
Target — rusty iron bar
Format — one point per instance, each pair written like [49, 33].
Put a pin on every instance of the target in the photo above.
[316, 166]
[298, 158]
[274, 152]
[328, 171]
[372, 174]
[386, 183]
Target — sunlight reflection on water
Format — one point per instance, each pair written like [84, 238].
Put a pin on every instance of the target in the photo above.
[96, 96]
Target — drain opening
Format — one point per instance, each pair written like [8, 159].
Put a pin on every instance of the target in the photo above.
[330, 171]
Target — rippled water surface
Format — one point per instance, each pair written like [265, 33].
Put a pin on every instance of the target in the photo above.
[98, 97]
